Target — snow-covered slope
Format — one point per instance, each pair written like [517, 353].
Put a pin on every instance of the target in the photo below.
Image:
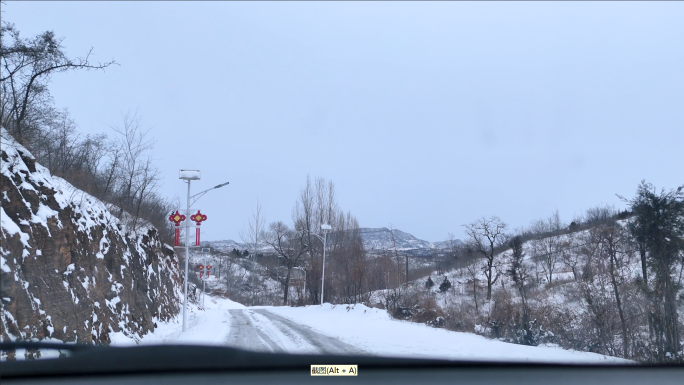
[69, 269]
[568, 287]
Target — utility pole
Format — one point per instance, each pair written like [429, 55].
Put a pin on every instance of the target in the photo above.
[187, 255]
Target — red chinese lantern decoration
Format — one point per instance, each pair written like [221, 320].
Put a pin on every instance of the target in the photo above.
[176, 218]
[208, 270]
[201, 269]
[198, 219]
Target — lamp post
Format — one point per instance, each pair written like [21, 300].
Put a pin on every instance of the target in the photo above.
[188, 176]
[324, 227]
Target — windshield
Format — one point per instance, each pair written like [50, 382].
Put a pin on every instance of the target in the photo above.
[472, 181]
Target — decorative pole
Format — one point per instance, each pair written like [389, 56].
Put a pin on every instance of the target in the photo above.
[198, 219]
[176, 218]
[201, 268]
[204, 289]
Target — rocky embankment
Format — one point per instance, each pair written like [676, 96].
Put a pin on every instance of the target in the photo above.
[70, 270]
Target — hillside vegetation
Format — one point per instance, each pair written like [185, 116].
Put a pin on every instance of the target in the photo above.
[606, 285]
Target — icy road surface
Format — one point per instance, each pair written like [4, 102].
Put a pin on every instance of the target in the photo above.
[261, 330]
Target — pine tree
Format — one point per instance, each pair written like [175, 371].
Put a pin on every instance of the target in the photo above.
[429, 283]
[658, 228]
[445, 285]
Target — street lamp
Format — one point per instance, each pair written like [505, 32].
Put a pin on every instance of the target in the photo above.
[324, 227]
[190, 175]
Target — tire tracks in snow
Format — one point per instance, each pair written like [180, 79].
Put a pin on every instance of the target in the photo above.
[261, 330]
[244, 334]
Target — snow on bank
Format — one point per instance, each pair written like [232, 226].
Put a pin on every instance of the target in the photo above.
[205, 327]
[374, 331]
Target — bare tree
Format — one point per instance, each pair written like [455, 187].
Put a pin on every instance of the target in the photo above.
[317, 205]
[486, 234]
[234, 277]
[569, 255]
[27, 66]
[108, 176]
[450, 256]
[290, 245]
[548, 244]
[452, 245]
[137, 178]
[472, 271]
[305, 218]
[148, 181]
[396, 254]
[613, 243]
[253, 236]
[350, 263]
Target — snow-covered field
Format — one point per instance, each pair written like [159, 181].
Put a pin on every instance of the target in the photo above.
[367, 329]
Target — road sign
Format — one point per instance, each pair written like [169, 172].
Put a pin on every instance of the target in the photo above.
[206, 249]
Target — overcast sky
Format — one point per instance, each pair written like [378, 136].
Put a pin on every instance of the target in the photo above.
[424, 115]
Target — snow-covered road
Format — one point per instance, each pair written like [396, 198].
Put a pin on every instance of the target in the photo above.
[261, 330]
[340, 329]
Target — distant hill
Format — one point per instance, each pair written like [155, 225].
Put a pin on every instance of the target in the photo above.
[375, 240]
[378, 239]
[225, 246]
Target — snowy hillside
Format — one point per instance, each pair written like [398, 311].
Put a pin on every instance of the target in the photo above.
[571, 284]
[71, 270]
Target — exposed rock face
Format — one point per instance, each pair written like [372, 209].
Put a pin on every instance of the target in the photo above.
[69, 270]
